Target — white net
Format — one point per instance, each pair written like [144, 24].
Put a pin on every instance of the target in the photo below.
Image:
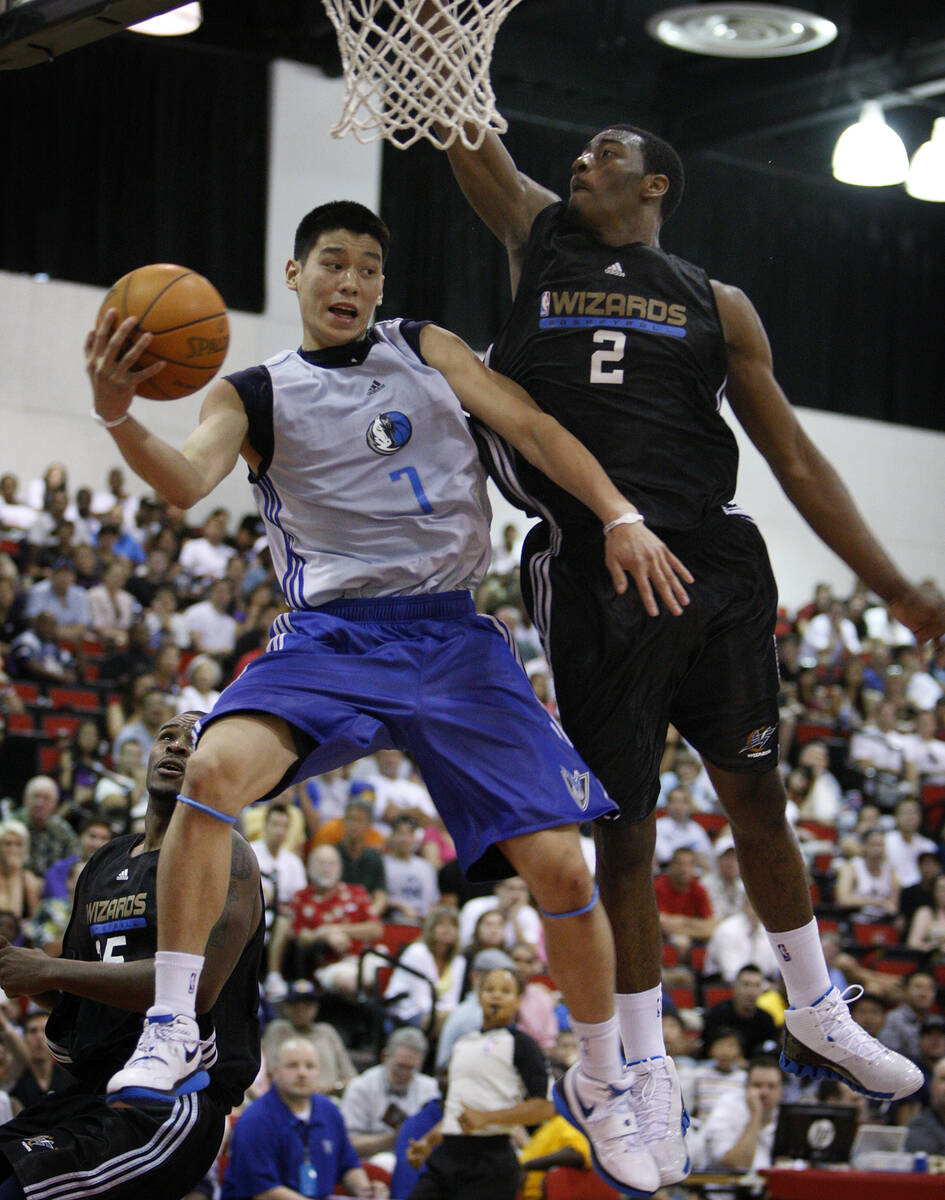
[418, 68]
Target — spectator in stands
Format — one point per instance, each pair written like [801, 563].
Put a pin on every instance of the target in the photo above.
[824, 798]
[741, 1013]
[845, 969]
[376, 1102]
[900, 1030]
[685, 911]
[61, 596]
[876, 753]
[135, 657]
[112, 610]
[510, 899]
[119, 792]
[738, 1134]
[434, 956]
[164, 620]
[92, 836]
[830, 636]
[208, 625]
[467, 1016]
[927, 931]
[931, 1051]
[397, 792]
[882, 626]
[36, 655]
[328, 925]
[113, 542]
[911, 899]
[362, 863]
[412, 889]
[300, 1019]
[12, 615]
[498, 1078]
[41, 534]
[143, 728]
[48, 925]
[823, 595]
[555, 1144]
[927, 1130]
[79, 769]
[723, 884]
[204, 559]
[20, 888]
[677, 828]
[870, 1012]
[81, 515]
[152, 574]
[282, 871]
[537, 1010]
[689, 771]
[737, 941]
[723, 1073]
[166, 669]
[904, 844]
[50, 837]
[203, 677]
[16, 514]
[293, 1134]
[41, 1073]
[867, 885]
[922, 690]
[124, 706]
[925, 753]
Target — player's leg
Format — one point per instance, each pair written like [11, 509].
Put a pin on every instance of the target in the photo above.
[821, 1040]
[239, 759]
[580, 950]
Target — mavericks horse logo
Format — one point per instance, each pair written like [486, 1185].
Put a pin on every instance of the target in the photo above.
[388, 432]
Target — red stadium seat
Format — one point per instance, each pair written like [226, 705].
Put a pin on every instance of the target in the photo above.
[712, 823]
[395, 937]
[28, 692]
[823, 833]
[48, 759]
[81, 698]
[807, 731]
[697, 957]
[670, 955]
[875, 933]
[572, 1183]
[20, 722]
[683, 997]
[56, 724]
[714, 994]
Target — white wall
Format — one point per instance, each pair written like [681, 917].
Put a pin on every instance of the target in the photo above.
[897, 474]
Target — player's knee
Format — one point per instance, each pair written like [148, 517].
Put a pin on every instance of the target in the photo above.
[623, 850]
[207, 777]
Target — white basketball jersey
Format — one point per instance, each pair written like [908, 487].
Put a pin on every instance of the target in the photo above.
[374, 486]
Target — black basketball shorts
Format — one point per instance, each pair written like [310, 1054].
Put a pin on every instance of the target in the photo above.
[73, 1146]
[621, 676]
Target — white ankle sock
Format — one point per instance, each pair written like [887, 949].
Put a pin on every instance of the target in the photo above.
[176, 976]
[599, 1046]
[801, 959]
[640, 1015]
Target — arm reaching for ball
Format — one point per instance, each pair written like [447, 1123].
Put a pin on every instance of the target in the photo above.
[184, 476]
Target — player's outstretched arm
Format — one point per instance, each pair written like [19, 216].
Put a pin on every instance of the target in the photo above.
[509, 410]
[208, 455]
[809, 481]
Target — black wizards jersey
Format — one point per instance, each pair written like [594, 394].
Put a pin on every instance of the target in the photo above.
[114, 919]
[624, 346]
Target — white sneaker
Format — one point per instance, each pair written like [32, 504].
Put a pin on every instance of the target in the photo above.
[822, 1041]
[662, 1120]
[604, 1114]
[166, 1063]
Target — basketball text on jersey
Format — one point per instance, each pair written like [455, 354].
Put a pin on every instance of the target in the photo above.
[118, 908]
[563, 309]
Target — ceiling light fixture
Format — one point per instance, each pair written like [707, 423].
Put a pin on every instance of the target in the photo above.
[741, 30]
[869, 153]
[926, 178]
[178, 21]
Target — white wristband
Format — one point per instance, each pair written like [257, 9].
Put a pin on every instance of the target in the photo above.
[626, 519]
[109, 424]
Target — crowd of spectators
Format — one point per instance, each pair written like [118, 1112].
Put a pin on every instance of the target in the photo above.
[116, 613]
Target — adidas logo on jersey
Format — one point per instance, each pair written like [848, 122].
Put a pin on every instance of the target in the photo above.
[615, 269]
[122, 875]
[375, 387]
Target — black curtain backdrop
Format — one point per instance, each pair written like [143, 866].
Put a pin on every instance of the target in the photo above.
[850, 282]
[132, 151]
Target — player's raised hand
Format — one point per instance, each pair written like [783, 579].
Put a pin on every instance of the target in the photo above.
[635, 551]
[110, 364]
[921, 609]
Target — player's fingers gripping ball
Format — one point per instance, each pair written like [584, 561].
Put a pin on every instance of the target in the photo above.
[186, 317]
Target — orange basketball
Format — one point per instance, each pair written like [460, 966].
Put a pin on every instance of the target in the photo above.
[186, 317]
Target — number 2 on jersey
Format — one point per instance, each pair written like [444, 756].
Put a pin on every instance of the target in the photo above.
[410, 472]
[601, 358]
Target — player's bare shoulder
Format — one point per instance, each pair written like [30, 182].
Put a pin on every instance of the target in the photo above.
[244, 866]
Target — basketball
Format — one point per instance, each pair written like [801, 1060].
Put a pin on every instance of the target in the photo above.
[186, 317]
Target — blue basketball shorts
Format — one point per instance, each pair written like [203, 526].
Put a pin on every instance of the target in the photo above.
[426, 675]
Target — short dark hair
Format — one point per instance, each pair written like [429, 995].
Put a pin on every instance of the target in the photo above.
[749, 967]
[659, 158]
[764, 1060]
[339, 214]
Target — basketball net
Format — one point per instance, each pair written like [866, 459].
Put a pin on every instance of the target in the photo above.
[405, 80]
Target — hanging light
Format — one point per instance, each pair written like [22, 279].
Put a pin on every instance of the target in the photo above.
[926, 178]
[178, 21]
[869, 153]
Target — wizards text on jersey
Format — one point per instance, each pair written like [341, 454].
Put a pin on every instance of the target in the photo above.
[559, 310]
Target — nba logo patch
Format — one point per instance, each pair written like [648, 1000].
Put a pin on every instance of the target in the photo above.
[545, 307]
[389, 432]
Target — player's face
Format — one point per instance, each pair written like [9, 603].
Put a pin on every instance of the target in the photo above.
[339, 285]
[167, 761]
[605, 177]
